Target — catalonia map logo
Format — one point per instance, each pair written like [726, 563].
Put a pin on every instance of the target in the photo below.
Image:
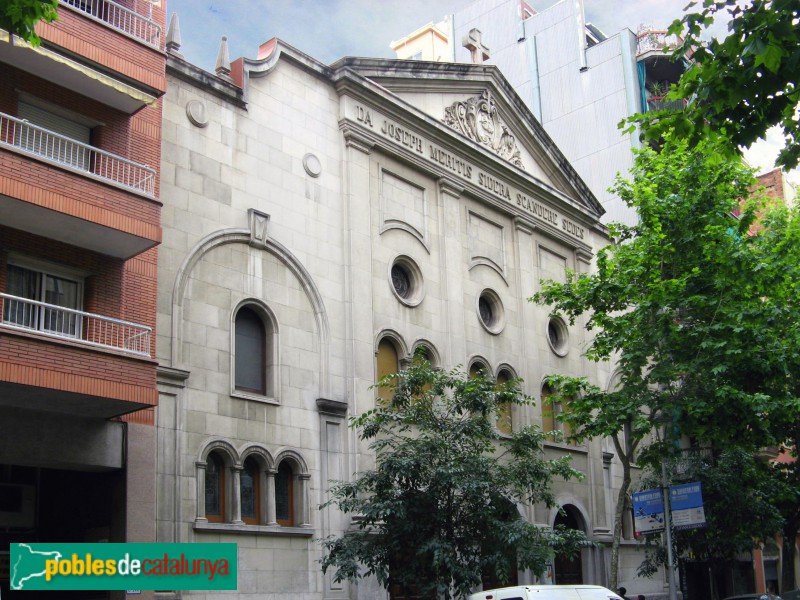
[123, 566]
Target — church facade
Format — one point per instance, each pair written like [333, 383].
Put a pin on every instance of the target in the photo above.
[321, 223]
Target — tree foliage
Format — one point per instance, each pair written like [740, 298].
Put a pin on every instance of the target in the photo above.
[19, 17]
[740, 510]
[439, 510]
[698, 309]
[741, 85]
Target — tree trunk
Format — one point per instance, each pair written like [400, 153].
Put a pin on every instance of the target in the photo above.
[618, 516]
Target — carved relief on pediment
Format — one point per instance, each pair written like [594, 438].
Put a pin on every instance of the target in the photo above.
[477, 119]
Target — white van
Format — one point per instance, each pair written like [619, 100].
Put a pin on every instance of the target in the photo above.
[547, 592]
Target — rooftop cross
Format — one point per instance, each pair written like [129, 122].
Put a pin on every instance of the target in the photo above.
[472, 42]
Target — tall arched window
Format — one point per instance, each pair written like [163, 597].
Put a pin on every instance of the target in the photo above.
[215, 488]
[548, 420]
[550, 412]
[250, 490]
[251, 352]
[388, 362]
[505, 423]
[284, 495]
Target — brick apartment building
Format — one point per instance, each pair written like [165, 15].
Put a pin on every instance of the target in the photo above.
[80, 145]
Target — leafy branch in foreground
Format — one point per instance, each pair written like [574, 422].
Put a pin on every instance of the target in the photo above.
[441, 507]
[19, 17]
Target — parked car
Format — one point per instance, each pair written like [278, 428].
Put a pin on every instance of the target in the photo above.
[547, 592]
[753, 596]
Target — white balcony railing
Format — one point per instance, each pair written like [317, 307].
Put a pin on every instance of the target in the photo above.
[121, 18]
[65, 151]
[75, 325]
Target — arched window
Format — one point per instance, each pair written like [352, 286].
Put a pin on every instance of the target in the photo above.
[251, 352]
[478, 368]
[284, 495]
[505, 422]
[388, 362]
[550, 412]
[250, 490]
[215, 488]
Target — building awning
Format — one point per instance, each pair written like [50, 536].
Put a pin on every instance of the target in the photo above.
[49, 64]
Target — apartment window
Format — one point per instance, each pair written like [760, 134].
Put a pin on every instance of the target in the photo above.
[284, 495]
[250, 489]
[47, 287]
[215, 488]
[56, 143]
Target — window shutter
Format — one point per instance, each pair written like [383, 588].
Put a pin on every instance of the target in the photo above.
[54, 147]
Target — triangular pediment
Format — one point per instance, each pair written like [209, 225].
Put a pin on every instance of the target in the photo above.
[476, 102]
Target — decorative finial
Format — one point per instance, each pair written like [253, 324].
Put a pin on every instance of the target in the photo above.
[223, 67]
[173, 42]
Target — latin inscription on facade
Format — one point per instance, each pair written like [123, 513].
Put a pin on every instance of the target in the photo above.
[458, 166]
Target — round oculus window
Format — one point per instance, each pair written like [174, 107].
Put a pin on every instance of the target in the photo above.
[405, 279]
[557, 336]
[401, 281]
[490, 312]
[485, 311]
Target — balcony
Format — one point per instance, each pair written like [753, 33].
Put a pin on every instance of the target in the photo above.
[56, 187]
[76, 326]
[68, 67]
[120, 18]
[76, 156]
[688, 461]
[649, 40]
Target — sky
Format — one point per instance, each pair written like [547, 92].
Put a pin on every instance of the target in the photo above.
[328, 30]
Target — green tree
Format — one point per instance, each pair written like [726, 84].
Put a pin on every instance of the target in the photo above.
[738, 497]
[696, 310]
[19, 17]
[741, 85]
[439, 510]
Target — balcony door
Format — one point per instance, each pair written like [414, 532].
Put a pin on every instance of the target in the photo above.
[42, 287]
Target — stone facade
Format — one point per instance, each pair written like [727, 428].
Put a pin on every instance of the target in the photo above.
[296, 194]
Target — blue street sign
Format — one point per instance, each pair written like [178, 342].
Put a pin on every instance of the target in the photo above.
[686, 501]
[648, 511]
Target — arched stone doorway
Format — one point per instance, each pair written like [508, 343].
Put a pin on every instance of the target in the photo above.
[569, 571]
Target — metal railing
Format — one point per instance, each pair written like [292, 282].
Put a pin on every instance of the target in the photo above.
[117, 16]
[687, 460]
[76, 325]
[63, 150]
[653, 39]
[656, 104]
